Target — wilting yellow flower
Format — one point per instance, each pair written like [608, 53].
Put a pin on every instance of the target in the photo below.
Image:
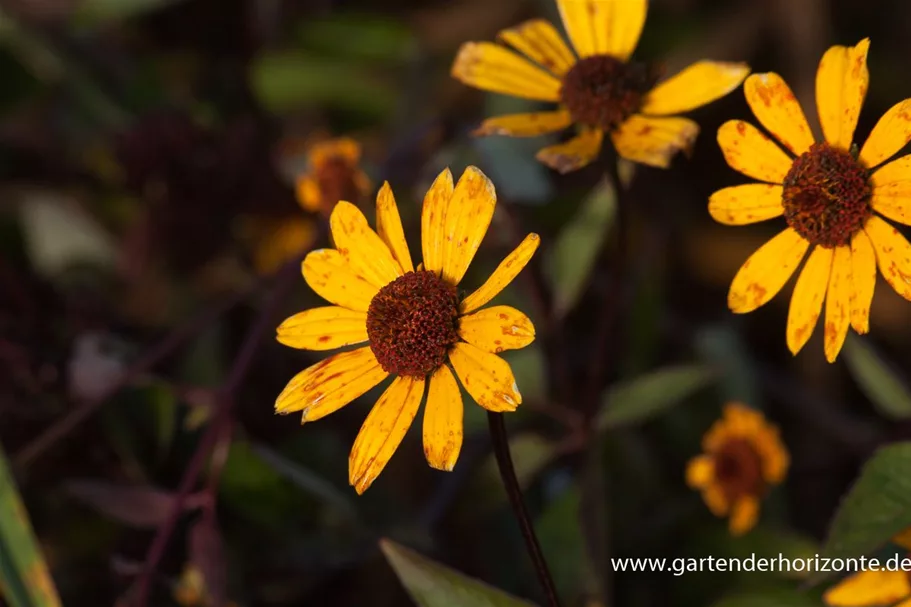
[602, 90]
[874, 587]
[333, 174]
[411, 323]
[831, 197]
[742, 458]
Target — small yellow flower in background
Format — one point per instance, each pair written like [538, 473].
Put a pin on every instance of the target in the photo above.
[191, 591]
[830, 195]
[866, 588]
[333, 174]
[274, 241]
[743, 456]
[411, 323]
[602, 90]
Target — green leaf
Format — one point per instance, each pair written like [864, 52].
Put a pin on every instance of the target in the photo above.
[98, 12]
[559, 530]
[877, 380]
[771, 597]
[645, 396]
[371, 37]
[433, 585]
[530, 454]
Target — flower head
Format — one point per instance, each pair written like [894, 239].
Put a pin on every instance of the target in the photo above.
[333, 174]
[874, 587]
[409, 323]
[742, 458]
[597, 85]
[832, 196]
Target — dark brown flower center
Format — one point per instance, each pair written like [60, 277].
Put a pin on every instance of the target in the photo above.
[412, 322]
[336, 177]
[827, 195]
[601, 91]
[738, 469]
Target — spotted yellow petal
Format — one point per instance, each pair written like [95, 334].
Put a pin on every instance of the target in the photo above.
[443, 420]
[893, 254]
[525, 125]
[486, 377]
[603, 27]
[747, 150]
[540, 41]
[361, 246]
[496, 329]
[467, 219]
[383, 431]
[806, 301]
[330, 384]
[778, 111]
[766, 271]
[697, 85]
[491, 67]
[573, 154]
[744, 204]
[433, 220]
[324, 328]
[863, 277]
[841, 85]
[869, 588]
[389, 227]
[891, 194]
[508, 269]
[331, 276]
[654, 141]
[838, 303]
[700, 471]
[891, 133]
[744, 514]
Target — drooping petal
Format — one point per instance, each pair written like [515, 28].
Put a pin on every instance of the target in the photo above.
[443, 416]
[389, 227]
[603, 27]
[467, 219]
[863, 276]
[745, 204]
[383, 431]
[330, 384]
[540, 41]
[697, 85]
[891, 133]
[486, 377]
[891, 194]
[324, 328]
[778, 111]
[841, 85]
[763, 275]
[433, 219]
[491, 67]
[508, 269]
[331, 276]
[806, 301]
[654, 141]
[869, 588]
[361, 246]
[496, 329]
[838, 303]
[747, 150]
[744, 514]
[573, 154]
[700, 471]
[525, 125]
[893, 254]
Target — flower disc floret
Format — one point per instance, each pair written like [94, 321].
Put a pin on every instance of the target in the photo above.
[601, 91]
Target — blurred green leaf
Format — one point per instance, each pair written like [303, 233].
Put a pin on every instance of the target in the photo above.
[433, 585]
[99, 12]
[529, 368]
[253, 487]
[774, 597]
[359, 36]
[133, 505]
[877, 380]
[530, 454]
[559, 530]
[723, 348]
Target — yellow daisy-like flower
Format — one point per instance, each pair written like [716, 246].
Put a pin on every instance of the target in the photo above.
[412, 324]
[597, 87]
[832, 197]
[333, 174]
[870, 588]
[743, 456]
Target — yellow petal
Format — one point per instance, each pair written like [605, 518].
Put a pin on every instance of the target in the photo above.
[286, 241]
[903, 539]
[603, 27]
[714, 498]
[889, 135]
[508, 269]
[700, 471]
[324, 328]
[765, 272]
[806, 301]
[540, 41]
[525, 125]
[747, 150]
[891, 194]
[433, 220]
[360, 245]
[697, 85]
[573, 154]
[332, 277]
[330, 384]
[654, 141]
[863, 277]
[893, 254]
[383, 431]
[486, 377]
[467, 219]
[309, 194]
[841, 85]
[777, 110]
[491, 67]
[838, 303]
[341, 147]
[443, 420]
[496, 329]
[389, 227]
[869, 588]
[744, 514]
[744, 204]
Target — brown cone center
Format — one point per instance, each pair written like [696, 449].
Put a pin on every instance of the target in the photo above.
[602, 91]
[738, 469]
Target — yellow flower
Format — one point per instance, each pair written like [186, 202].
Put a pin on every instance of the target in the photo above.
[867, 588]
[411, 323]
[333, 174]
[742, 458]
[602, 90]
[831, 197]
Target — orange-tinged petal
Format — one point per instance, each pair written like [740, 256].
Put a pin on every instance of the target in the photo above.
[496, 329]
[389, 227]
[525, 125]
[540, 41]
[841, 85]
[778, 111]
[341, 147]
[838, 303]
[603, 27]
[330, 384]
[744, 514]
[903, 539]
[806, 301]
[443, 420]
[383, 431]
[308, 193]
[433, 220]
[891, 133]
[747, 150]
[869, 588]
[573, 154]
[744, 204]
[324, 328]
[508, 269]
[654, 141]
[486, 377]
[467, 219]
[491, 67]
[700, 471]
[361, 246]
[893, 254]
[863, 277]
[891, 194]
[766, 271]
[331, 276]
[714, 498]
[697, 85]
[280, 242]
